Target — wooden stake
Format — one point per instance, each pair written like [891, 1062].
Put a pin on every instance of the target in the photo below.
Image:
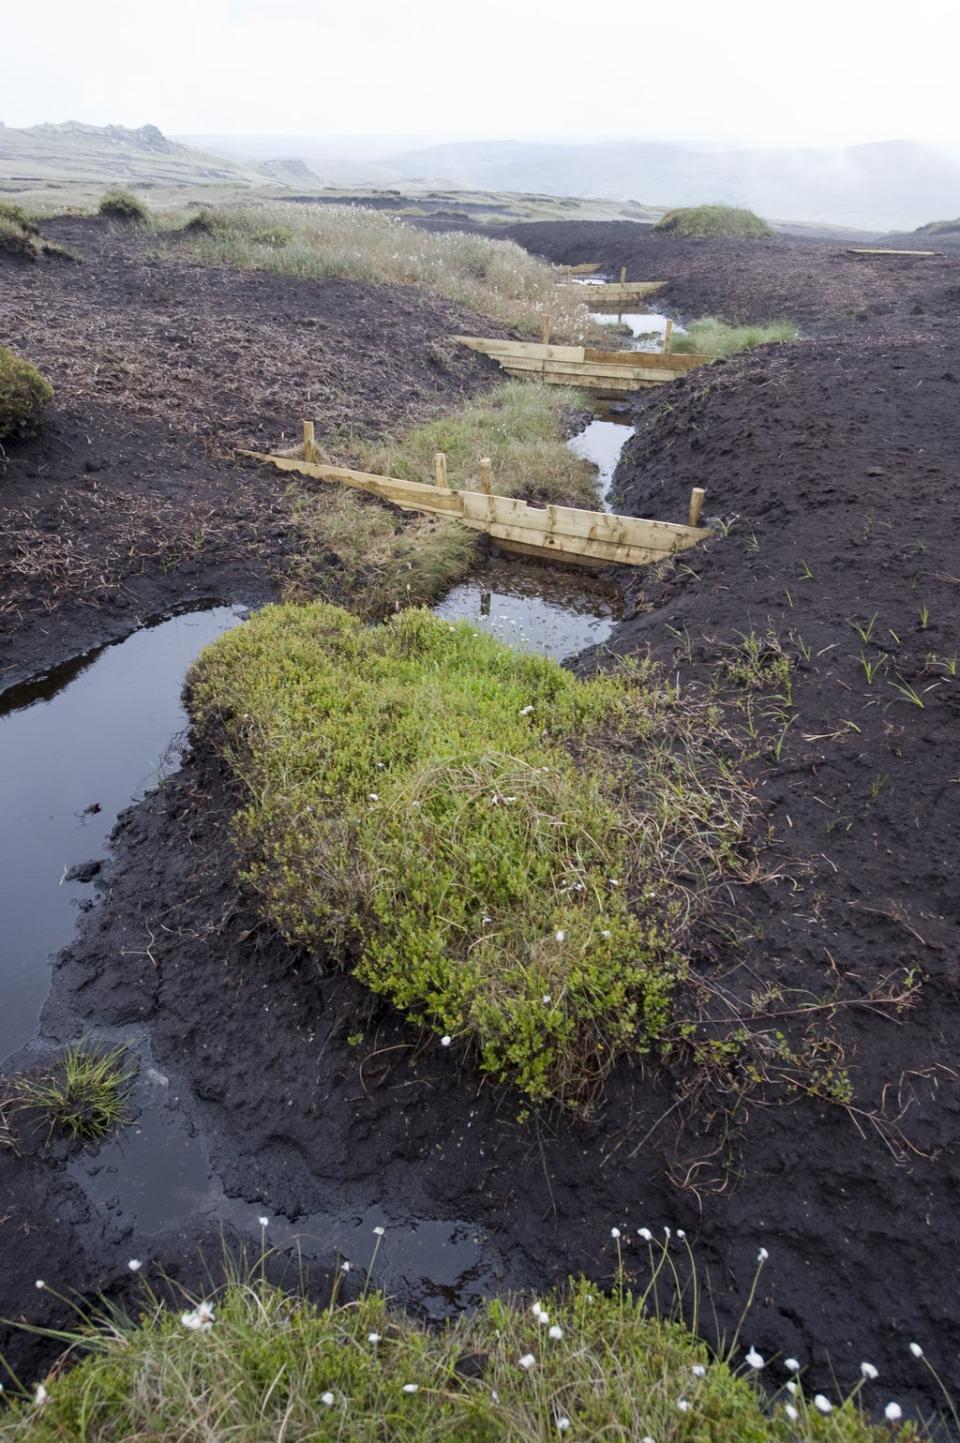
[623, 274]
[667, 333]
[545, 328]
[486, 485]
[696, 505]
[309, 444]
[440, 466]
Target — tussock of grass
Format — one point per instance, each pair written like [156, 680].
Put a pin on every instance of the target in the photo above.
[711, 336]
[705, 221]
[512, 856]
[122, 205]
[258, 1365]
[493, 278]
[83, 1094]
[24, 392]
[373, 559]
[17, 216]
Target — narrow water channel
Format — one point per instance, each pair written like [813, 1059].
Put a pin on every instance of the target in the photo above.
[76, 748]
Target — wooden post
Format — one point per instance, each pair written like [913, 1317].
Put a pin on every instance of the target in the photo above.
[309, 444]
[486, 485]
[696, 505]
[623, 274]
[667, 333]
[440, 466]
[545, 328]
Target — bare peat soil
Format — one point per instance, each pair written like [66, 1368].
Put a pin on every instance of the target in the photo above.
[817, 284]
[132, 502]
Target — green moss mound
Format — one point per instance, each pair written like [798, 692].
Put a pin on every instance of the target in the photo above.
[24, 392]
[257, 1365]
[473, 827]
[121, 205]
[705, 221]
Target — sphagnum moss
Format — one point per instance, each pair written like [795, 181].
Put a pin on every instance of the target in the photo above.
[492, 840]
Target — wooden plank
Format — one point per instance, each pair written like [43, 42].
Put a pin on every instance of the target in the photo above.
[877, 251]
[659, 360]
[604, 295]
[696, 504]
[563, 547]
[587, 268]
[309, 442]
[411, 495]
[493, 346]
[546, 553]
[574, 371]
[573, 521]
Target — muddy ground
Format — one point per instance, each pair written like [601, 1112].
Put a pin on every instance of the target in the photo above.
[132, 500]
[831, 467]
[818, 284]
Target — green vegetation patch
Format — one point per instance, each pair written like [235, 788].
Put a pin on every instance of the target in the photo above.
[24, 392]
[122, 205]
[373, 559]
[512, 856]
[258, 1365]
[705, 221]
[713, 337]
[83, 1094]
[494, 278]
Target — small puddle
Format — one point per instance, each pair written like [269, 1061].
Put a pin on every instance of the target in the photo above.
[534, 608]
[77, 746]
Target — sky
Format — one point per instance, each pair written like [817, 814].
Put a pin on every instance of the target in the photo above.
[819, 72]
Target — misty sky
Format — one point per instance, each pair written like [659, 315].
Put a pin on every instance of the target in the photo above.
[753, 71]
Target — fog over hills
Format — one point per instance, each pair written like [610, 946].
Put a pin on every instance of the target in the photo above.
[890, 185]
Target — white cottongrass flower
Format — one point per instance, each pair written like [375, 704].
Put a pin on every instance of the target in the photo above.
[754, 1360]
[646, 1234]
[791, 1365]
[791, 1412]
[555, 1332]
[614, 1232]
[263, 1221]
[527, 1362]
[681, 1233]
[526, 710]
[546, 998]
[378, 1232]
[560, 935]
[868, 1371]
[667, 1234]
[698, 1370]
[793, 1389]
[327, 1399]
[446, 1040]
[605, 934]
[683, 1405]
[374, 796]
[411, 1387]
[41, 1285]
[200, 1319]
[915, 1348]
[893, 1412]
[134, 1265]
[40, 1396]
[822, 1404]
[543, 1318]
[563, 1424]
[536, 1309]
[344, 1266]
[373, 1337]
[762, 1255]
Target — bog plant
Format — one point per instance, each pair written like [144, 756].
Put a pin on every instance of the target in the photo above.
[714, 337]
[253, 1363]
[24, 392]
[514, 857]
[707, 221]
[83, 1094]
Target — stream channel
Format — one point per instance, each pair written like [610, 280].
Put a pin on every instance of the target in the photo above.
[77, 747]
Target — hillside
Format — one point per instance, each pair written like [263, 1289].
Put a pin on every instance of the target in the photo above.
[44, 161]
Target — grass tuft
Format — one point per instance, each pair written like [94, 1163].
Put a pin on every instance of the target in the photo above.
[494, 278]
[515, 858]
[122, 205]
[83, 1095]
[713, 337]
[259, 1365]
[707, 221]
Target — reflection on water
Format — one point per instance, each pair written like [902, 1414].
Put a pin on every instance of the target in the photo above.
[552, 610]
